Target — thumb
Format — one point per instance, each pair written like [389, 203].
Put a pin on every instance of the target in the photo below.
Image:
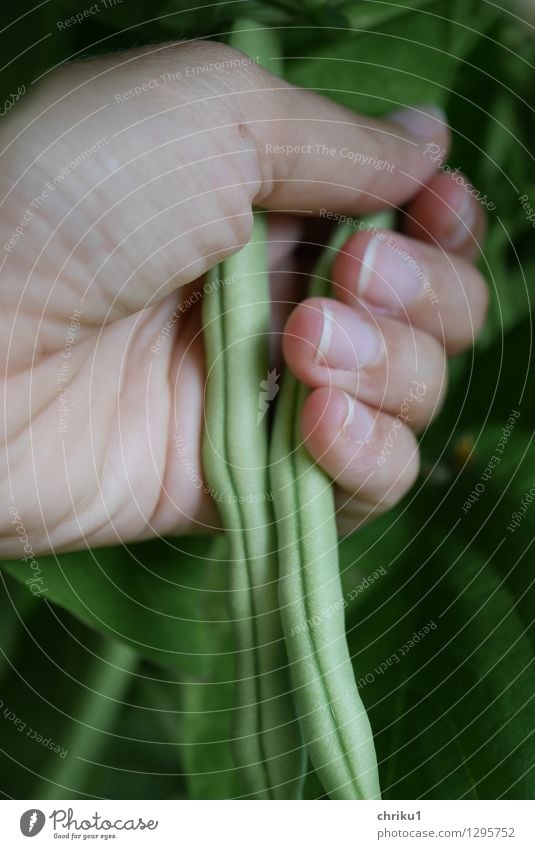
[317, 154]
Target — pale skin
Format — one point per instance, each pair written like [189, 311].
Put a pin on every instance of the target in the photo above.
[91, 414]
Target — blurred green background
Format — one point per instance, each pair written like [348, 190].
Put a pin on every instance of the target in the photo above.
[117, 683]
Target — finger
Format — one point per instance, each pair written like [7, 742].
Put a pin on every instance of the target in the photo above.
[385, 363]
[447, 213]
[371, 456]
[316, 155]
[438, 292]
[352, 513]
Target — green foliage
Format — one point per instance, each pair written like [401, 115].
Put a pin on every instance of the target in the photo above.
[402, 63]
[452, 715]
[138, 597]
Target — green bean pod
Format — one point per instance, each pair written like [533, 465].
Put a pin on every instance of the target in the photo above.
[335, 725]
[267, 742]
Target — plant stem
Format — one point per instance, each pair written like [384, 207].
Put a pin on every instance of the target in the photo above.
[107, 683]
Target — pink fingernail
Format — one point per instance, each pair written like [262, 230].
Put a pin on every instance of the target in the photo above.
[359, 422]
[389, 275]
[347, 340]
[424, 122]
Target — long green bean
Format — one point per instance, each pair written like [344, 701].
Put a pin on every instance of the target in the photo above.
[337, 732]
[335, 725]
[236, 314]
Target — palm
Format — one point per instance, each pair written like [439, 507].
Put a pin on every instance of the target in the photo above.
[114, 453]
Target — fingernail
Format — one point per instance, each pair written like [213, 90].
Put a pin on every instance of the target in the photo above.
[424, 122]
[359, 421]
[389, 275]
[463, 224]
[347, 341]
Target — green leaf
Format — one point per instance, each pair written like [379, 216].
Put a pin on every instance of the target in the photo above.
[145, 596]
[409, 60]
[452, 712]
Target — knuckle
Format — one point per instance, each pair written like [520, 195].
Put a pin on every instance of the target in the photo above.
[204, 59]
[404, 476]
[223, 241]
[236, 225]
[429, 384]
[394, 451]
[465, 325]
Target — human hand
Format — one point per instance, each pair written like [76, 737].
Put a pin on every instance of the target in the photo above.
[115, 204]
